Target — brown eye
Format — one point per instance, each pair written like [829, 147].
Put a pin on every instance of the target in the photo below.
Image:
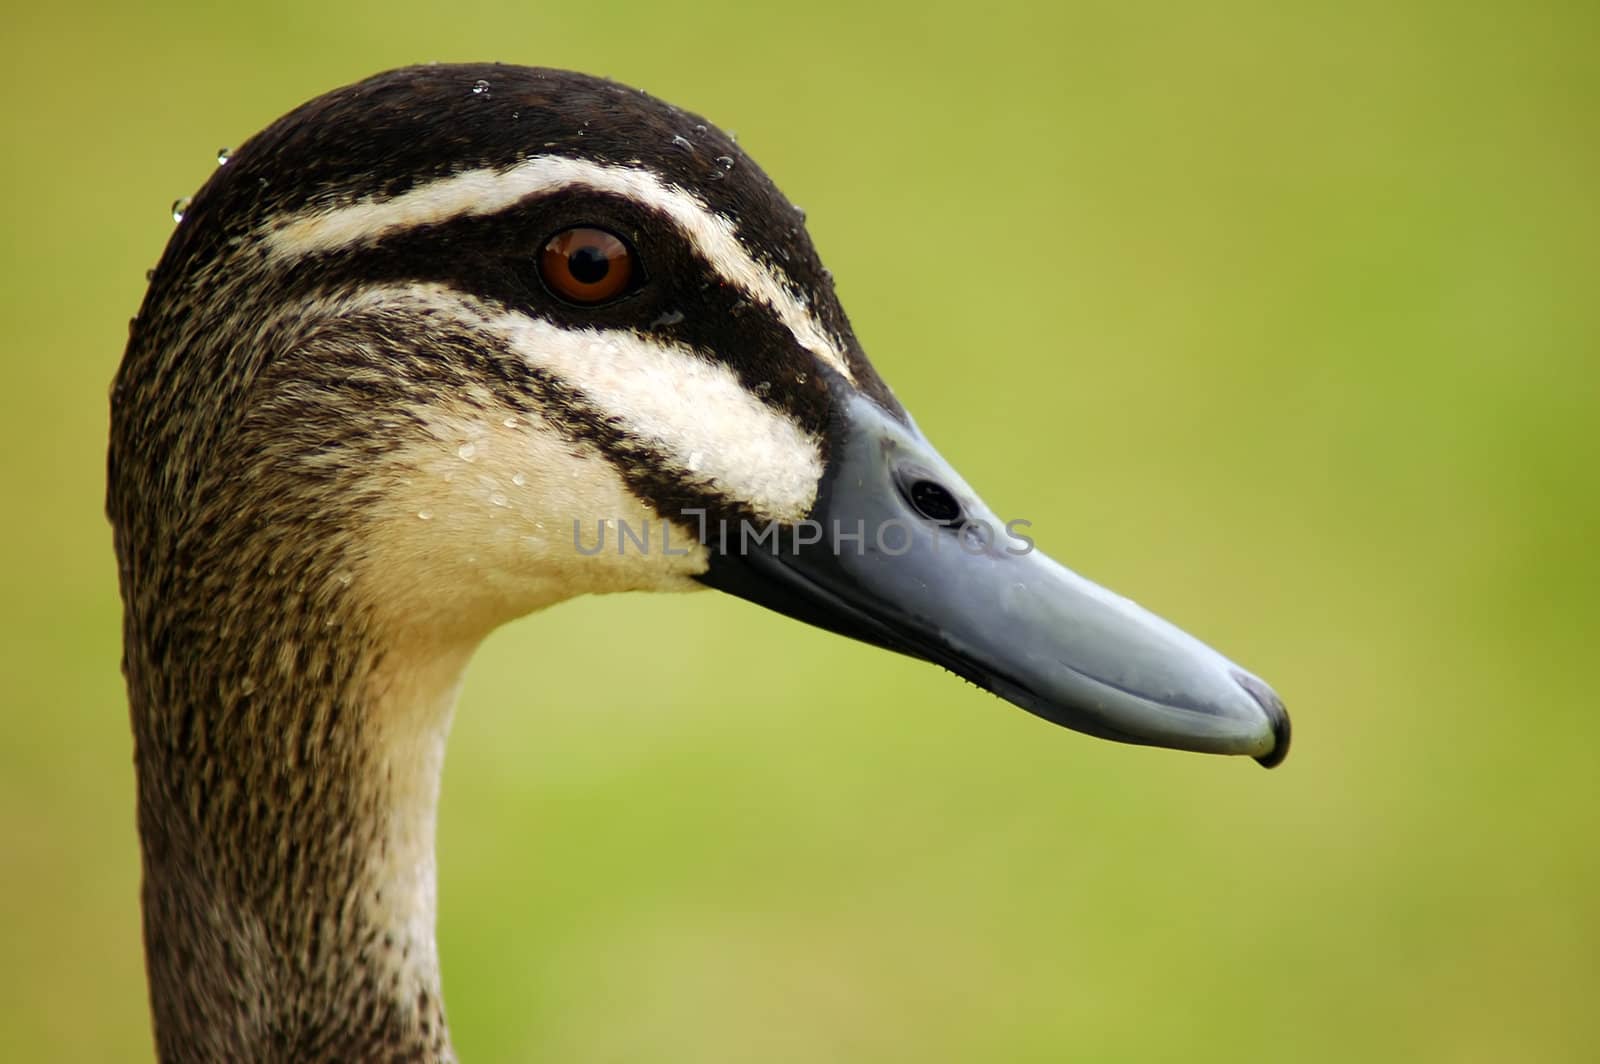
[586, 265]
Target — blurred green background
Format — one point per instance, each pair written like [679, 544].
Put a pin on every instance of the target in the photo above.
[1294, 341]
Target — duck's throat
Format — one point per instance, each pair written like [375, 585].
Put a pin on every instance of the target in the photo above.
[288, 831]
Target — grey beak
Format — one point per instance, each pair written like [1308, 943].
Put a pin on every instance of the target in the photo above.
[900, 552]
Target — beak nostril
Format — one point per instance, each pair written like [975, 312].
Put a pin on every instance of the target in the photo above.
[1276, 713]
[934, 501]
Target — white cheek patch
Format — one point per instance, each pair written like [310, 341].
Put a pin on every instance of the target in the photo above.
[491, 514]
[695, 413]
[475, 193]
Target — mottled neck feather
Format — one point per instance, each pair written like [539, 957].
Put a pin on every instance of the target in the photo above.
[311, 541]
[351, 434]
[289, 757]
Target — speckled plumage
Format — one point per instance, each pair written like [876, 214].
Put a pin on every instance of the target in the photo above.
[351, 432]
[260, 426]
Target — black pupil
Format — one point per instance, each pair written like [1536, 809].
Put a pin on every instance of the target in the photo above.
[589, 265]
[934, 502]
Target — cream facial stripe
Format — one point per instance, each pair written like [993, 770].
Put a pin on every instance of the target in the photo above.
[695, 412]
[481, 192]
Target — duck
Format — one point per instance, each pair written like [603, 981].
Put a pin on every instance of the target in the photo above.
[451, 345]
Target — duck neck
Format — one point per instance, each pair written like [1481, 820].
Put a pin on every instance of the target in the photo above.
[288, 790]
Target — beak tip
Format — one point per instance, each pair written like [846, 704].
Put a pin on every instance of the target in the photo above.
[1277, 716]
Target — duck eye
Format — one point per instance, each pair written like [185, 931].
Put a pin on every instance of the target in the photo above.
[586, 265]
